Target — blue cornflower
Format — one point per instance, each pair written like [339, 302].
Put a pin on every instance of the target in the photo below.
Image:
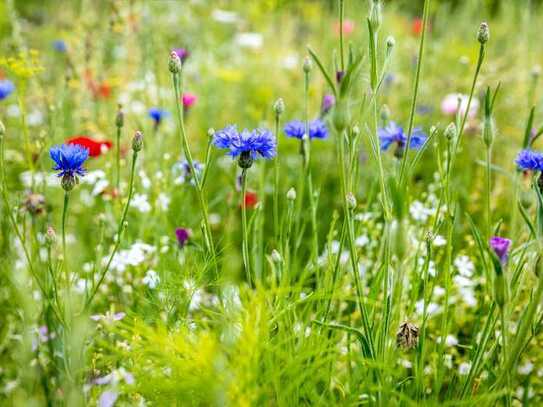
[6, 88]
[69, 159]
[296, 129]
[248, 144]
[60, 46]
[157, 114]
[530, 160]
[393, 133]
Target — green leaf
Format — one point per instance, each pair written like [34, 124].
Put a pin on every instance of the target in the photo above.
[321, 67]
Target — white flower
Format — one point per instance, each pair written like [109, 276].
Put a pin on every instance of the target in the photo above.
[419, 212]
[290, 61]
[431, 308]
[34, 118]
[163, 201]
[450, 340]
[464, 266]
[151, 279]
[249, 40]
[526, 368]
[431, 266]
[439, 241]
[13, 111]
[463, 368]
[100, 187]
[92, 177]
[362, 240]
[225, 17]
[133, 256]
[140, 202]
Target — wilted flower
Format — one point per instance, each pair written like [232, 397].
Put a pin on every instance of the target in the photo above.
[34, 203]
[95, 148]
[182, 235]
[393, 133]
[500, 245]
[454, 102]
[6, 88]
[296, 129]
[407, 336]
[529, 160]
[248, 144]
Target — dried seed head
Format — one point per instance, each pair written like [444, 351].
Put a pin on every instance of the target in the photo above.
[407, 336]
[34, 203]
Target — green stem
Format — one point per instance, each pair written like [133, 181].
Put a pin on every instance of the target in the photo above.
[276, 184]
[208, 238]
[118, 160]
[425, 14]
[488, 191]
[245, 234]
[120, 231]
[65, 259]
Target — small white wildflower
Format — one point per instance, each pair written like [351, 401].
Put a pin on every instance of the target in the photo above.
[140, 202]
[151, 279]
[526, 368]
[362, 240]
[439, 241]
[464, 265]
[463, 368]
[419, 212]
[163, 201]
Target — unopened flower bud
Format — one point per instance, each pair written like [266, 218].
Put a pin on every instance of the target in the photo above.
[356, 130]
[291, 194]
[174, 64]
[50, 236]
[119, 119]
[376, 15]
[137, 141]
[68, 182]
[308, 65]
[279, 107]
[2, 128]
[211, 132]
[390, 44]
[536, 71]
[450, 131]
[351, 200]
[484, 33]
[276, 257]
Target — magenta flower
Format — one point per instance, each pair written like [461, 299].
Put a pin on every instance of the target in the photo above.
[328, 101]
[189, 99]
[183, 236]
[182, 53]
[500, 245]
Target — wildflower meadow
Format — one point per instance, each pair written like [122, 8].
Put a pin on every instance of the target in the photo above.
[271, 203]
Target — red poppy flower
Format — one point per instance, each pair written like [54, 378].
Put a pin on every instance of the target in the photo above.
[96, 148]
[416, 26]
[251, 199]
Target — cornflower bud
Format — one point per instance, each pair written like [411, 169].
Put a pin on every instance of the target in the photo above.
[137, 141]
[483, 34]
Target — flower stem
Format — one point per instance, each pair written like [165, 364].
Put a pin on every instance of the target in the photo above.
[65, 259]
[118, 160]
[276, 184]
[245, 234]
[208, 238]
[120, 230]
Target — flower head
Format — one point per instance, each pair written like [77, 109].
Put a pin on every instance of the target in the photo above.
[6, 88]
[500, 245]
[393, 133]
[188, 99]
[457, 102]
[182, 53]
[182, 235]
[296, 129]
[60, 46]
[328, 101]
[248, 144]
[157, 114]
[530, 160]
[69, 159]
[183, 171]
[95, 148]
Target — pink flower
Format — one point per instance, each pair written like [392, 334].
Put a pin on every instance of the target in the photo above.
[348, 27]
[451, 103]
[189, 99]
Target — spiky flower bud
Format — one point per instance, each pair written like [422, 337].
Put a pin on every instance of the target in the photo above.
[291, 194]
[245, 160]
[174, 65]
[308, 65]
[407, 336]
[484, 33]
[279, 107]
[137, 141]
[119, 119]
[450, 132]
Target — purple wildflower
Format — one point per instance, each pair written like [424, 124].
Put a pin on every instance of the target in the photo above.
[328, 101]
[500, 245]
[530, 160]
[393, 133]
[182, 53]
[182, 235]
[296, 129]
